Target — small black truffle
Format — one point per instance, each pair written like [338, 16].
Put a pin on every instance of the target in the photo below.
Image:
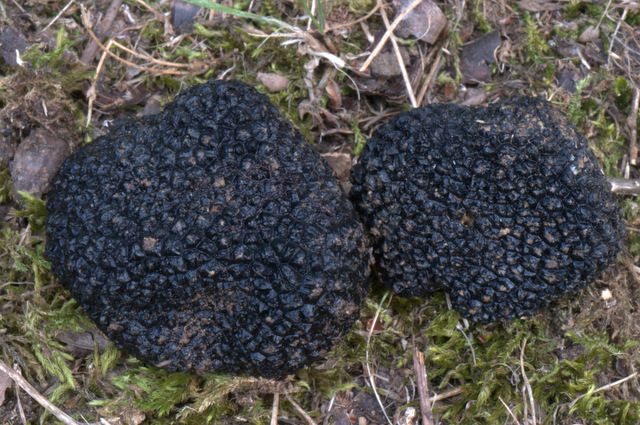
[210, 237]
[504, 207]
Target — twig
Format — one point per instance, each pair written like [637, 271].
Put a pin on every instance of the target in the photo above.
[451, 393]
[64, 9]
[396, 48]
[304, 414]
[624, 186]
[632, 122]
[22, 383]
[423, 386]
[526, 382]
[388, 34]
[103, 27]
[91, 94]
[603, 388]
[274, 410]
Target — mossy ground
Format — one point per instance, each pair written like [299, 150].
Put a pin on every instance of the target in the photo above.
[562, 366]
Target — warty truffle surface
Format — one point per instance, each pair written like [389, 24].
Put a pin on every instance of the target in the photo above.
[210, 237]
[504, 206]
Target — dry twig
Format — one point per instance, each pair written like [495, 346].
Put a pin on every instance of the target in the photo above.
[103, 27]
[22, 383]
[388, 34]
[304, 414]
[423, 386]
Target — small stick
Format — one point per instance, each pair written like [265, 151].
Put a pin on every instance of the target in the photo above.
[526, 382]
[396, 48]
[274, 410]
[304, 414]
[20, 381]
[444, 396]
[105, 24]
[388, 33]
[423, 386]
[632, 121]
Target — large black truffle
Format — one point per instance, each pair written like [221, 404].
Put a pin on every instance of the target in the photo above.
[209, 238]
[504, 207]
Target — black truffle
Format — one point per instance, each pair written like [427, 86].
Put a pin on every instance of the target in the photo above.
[504, 207]
[210, 237]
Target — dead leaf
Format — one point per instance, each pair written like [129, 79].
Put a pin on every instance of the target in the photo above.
[335, 97]
[475, 97]
[476, 57]
[183, 15]
[83, 340]
[273, 82]
[589, 34]
[538, 5]
[341, 164]
[425, 22]
[5, 383]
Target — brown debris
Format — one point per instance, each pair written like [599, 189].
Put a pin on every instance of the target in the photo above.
[273, 82]
[36, 161]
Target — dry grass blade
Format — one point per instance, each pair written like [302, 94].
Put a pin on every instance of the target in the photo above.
[515, 420]
[632, 123]
[22, 383]
[396, 49]
[85, 21]
[388, 33]
[367, 367]
[604, 387]
[527, 383]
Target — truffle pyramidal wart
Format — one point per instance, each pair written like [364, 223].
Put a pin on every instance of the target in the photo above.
[504, 207]
[209, 237]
